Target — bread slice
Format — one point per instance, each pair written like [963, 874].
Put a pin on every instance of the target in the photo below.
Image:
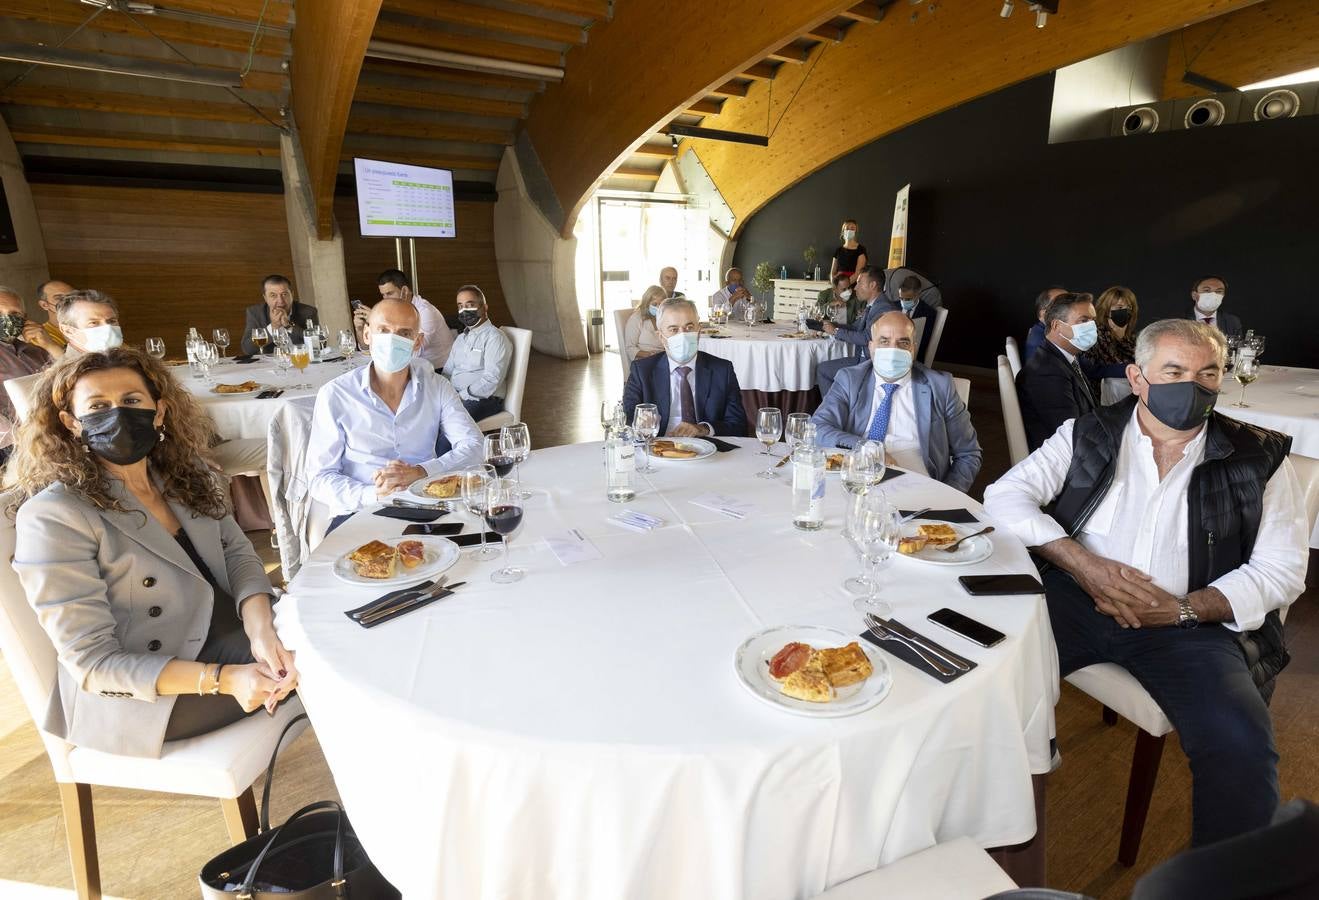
[809, 683]
[845, 665]
[444, 488]
[938, 533]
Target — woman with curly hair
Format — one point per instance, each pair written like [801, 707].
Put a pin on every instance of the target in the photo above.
[1115, 315]
[138, 573]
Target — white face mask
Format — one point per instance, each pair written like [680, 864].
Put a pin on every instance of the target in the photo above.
[1084, 335]
[390, 353]
[102, 338]
[891, 363]
[681, 347]
[849, 234]
[1209, 301]
[847, 294]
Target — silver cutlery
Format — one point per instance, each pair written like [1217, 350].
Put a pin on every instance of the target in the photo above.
[886, 634]
[953, 546]
[904, 631]
[916, 515]
[396, 596]
[432, 594]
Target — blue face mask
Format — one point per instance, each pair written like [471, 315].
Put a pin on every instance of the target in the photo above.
[891, 363]
[390, 353]
[681, 347]
[1084, 335]
[907, 305]
[654, 311]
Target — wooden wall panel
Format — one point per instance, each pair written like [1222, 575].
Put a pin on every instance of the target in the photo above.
[1277, 37]
[444, 264]
[171, 258]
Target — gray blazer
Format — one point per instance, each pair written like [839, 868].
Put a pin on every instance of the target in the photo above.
[948, 442]
[120, 598]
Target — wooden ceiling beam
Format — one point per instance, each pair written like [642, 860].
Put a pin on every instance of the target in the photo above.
[659, 151]
[393, 126]
[731, 89]
[1257, 43]
[832, 33]
[759, 72]
[489, 19]
[329, 45]
[459, 103]
[276, 12]
[790, 53]
[587, 9]
[864, 12]
[439, 39]
[136, 104]
[706, 107]
[637, 172]
[419, 72]
[438, 160]
[76, 137]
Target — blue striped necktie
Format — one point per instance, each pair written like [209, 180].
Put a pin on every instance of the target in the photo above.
[879, 424]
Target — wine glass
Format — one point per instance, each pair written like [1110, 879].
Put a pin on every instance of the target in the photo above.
[503, 515]
[475, 483]
[221, 338]
[611, 414]
[282, 361]
[300, 358]
[1257, 342]
[749, 314]
[516, 440]
[260, 337]
[155, 348]
[795, 429]
[769, 425]
[1245, 371]
[494, 454]
[646, 423]
[347, 343]
[863, 467]
[207, 355]
[874, 532]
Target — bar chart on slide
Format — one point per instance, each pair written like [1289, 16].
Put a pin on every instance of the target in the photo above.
[399, 200]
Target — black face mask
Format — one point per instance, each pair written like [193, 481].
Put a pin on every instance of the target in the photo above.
[121, 435]
[1120, 317]
[1181, 405]
[469, 317]
[11, 327]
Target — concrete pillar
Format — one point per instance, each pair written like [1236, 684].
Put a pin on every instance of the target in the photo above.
[27, 268]
[536, 267]
[318, 266]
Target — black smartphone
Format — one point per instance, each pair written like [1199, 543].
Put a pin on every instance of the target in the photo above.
[1000, 585]
[443, 529]
[967, 627]
[356, 304]
[815, 324]
[473, 540]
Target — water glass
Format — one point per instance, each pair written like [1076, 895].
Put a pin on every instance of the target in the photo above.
[795, 429]
[221, 338]
[874, 532]
[206, 354]
[347, 343]
[516, 439]
[475, 482]
[646, 424]
[863, 467]
[155, 348]
[611, 415]
[749, 314]
[769, 426]
[503, 515]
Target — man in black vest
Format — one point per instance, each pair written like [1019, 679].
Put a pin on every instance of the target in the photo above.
[1051, 386]
[1172, 536]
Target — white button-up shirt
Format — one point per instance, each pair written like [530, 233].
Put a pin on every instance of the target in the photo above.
[902, 441]
[1142, 521]
[438, 336]
[675, 396]
[478, 362]
[354, 434]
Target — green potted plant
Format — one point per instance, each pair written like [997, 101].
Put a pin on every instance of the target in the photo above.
[763, 281]
[810, 256]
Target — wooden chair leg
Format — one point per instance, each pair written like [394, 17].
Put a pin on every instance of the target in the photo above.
[1144, 770]
[1110, 717]
[240, 816]
[80, 828]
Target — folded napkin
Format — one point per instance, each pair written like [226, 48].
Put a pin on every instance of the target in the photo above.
[890, 473]
[411, 514]
[245, 359]
[405, 610]
[723, 446]
[908, 655]
[386, 598]
[956, 516]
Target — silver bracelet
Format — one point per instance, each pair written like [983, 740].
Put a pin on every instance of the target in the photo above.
[201, 676]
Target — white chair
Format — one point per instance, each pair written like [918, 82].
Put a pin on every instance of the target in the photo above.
[1307, 473]
[620, 325]
[963, 387]
[516, 384]
[20, 394]
[223, 764]
[1012, 422]
[940, 316]
[956, 870]
[1013, 353]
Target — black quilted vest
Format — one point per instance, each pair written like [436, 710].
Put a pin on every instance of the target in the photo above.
[1226, 497]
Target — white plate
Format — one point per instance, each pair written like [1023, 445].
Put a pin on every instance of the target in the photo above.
[703, 447]
[978, 549]
[751, 662]
[416, 491]
[440, 555]
[256, 390]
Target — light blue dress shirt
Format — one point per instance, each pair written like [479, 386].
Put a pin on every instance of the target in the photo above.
[354, 434]
[478, 362]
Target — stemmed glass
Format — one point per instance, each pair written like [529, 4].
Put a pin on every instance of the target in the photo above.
[611, 414]
[260, 337]
[749, 314]
[282, 361]
[155, 348]
[494, 454]
[1256, 341]
[646, 423]
[207, 354]
[503, 515]
[1245, 371]
[300, 357]
[221, 338]
[347, 343]
[475, 483]
[863, 467]
[769, 425]
[516, 440]
[874, 532]
[795, 429]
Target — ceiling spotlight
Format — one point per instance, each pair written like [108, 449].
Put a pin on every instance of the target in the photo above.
[673, 138]
[1042, 8]
[1006, 10]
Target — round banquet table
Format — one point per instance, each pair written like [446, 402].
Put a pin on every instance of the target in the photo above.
[764, 361]
[581, 734]
[1284, 399]
[243, 415]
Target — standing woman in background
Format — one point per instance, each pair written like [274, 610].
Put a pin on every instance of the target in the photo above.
[640, 339]
[1115, 315]
[850, 258]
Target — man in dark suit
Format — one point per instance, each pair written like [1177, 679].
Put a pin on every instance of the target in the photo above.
[913, 307]
[870, 289]
[1208, 294]
[1051, 386]
[278, 309]
[697, 394]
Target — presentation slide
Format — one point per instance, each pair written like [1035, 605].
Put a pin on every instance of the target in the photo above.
[398, 200]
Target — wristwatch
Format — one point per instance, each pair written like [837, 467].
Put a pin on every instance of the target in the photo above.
[1186, 617]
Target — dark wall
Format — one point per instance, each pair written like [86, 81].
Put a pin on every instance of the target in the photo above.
[997, 214]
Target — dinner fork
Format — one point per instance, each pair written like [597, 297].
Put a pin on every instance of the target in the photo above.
[953, 546]
[885, 634]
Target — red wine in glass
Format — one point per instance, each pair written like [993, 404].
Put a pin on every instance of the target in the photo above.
[503, 520]
[503, 464]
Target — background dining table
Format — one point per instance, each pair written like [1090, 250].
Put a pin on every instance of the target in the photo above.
[582, 733]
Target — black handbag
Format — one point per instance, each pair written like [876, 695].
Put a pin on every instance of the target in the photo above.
[313, 856]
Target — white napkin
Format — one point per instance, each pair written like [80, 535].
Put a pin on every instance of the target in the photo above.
[724, 504]
[571, 546]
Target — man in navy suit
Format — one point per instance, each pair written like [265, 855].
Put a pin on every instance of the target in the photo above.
[870, 289]
[697, 394]
[1208, 294]
[913, 307]
[1051, 386]
[915, 411]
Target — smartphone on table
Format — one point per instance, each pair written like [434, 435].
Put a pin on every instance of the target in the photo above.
[967, 627]
[1000, 585]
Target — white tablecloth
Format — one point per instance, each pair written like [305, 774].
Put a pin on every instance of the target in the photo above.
[1284, 399]
[245, 416]
[581, 734]
[767, 362]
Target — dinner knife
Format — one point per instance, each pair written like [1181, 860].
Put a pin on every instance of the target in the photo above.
[433, 594]
[904, 632]
[397, 596]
